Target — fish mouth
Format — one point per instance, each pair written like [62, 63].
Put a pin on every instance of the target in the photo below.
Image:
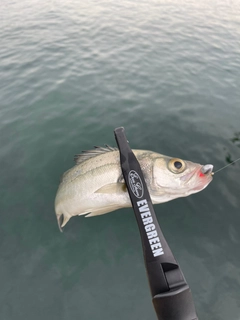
[204, 173]
[207, 169]
[205, 176]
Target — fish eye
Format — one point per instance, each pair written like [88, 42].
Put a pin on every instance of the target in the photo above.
[176, 165]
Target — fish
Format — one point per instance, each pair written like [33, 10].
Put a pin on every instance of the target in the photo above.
[95, 184]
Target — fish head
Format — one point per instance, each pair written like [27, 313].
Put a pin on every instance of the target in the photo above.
[174, 178]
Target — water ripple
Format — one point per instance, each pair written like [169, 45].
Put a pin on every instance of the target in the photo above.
[72, 71]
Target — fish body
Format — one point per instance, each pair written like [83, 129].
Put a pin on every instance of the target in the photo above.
[95, 185]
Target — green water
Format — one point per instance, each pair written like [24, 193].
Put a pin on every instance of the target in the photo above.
[72, 71]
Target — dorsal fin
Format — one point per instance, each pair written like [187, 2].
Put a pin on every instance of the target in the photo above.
[88, 154]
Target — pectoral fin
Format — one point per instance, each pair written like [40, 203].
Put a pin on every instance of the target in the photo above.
[113, 188]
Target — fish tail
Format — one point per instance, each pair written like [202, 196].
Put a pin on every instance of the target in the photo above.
[62, 220]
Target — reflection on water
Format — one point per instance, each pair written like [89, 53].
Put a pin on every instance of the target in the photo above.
[229, 159]
[236, 141]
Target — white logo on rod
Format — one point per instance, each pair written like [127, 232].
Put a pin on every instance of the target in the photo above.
[136, 184]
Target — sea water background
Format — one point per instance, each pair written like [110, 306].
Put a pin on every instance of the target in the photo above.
[72, 71]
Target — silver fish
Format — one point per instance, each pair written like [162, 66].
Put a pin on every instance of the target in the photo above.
[95, 185]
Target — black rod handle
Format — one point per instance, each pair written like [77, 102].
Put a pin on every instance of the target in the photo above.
[171, 295]
[155, 245]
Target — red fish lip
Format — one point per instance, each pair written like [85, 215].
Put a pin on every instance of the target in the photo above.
[204, 180]
[199, 172]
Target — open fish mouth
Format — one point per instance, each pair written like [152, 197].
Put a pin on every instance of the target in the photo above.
[203, 171]
[207, 169]
[206, 173]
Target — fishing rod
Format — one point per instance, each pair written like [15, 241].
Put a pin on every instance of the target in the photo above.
[171, 295]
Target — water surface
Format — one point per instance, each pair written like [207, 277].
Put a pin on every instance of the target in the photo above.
[72, 71]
